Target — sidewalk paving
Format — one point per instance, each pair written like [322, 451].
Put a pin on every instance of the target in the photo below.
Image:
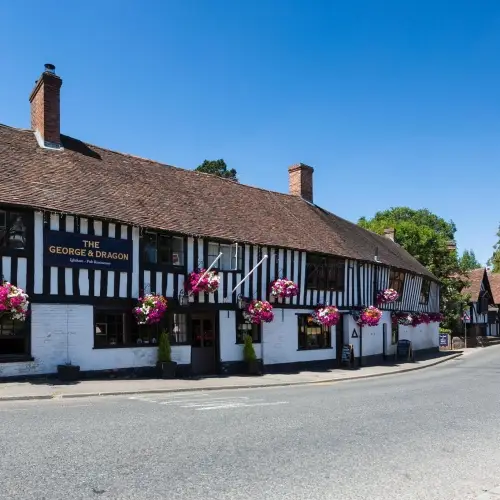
[52, 388]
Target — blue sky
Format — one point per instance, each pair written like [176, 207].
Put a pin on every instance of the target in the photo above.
[393, 103]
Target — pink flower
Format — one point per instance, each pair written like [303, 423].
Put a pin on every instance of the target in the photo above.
[326, 315]
[150, 309]
[259, 311]
[370, 316]
[387, 296]
[284, 288]
[201, 281]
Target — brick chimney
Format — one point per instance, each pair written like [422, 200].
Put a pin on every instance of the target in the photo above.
[452, 246]
[389, 233]
[45, 109]
[300, 181]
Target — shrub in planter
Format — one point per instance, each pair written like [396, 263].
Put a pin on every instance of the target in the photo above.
[253, 364]
[165, 366]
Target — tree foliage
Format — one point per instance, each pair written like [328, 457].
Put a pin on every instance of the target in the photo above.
[468, 261]
[217, 167]
[494, 261]
[427, 236]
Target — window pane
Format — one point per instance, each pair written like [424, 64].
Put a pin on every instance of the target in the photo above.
[150, 241]
[179, 333]
[12, 230]
[109, 329]
[236, 257]
[224, 263]
[244, 328]
[311, 335]
[164, 249]
[13, 337]
[177, 251]
[213, 251]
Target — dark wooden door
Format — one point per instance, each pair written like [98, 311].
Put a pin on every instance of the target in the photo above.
[203, 347]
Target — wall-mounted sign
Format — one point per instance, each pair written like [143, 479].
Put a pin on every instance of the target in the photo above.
[63, 249]
[443, 340]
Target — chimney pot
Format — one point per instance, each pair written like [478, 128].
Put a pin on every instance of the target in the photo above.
[389, 233]
[45, 109]
[300, 181]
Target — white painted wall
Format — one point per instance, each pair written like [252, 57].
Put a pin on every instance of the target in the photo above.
[373, 338]
[422, 336]
[229, 349]
[61, 333]
[280, 340]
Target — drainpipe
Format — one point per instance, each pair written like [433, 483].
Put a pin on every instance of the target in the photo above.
[360, 346]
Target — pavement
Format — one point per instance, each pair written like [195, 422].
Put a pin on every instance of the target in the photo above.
[52, 388]
[426, 435]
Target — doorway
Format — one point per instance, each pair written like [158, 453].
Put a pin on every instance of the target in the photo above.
[203, 350]
[339, 339]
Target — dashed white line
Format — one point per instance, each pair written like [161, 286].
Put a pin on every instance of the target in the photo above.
[241, 405]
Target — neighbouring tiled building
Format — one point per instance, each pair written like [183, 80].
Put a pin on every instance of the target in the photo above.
[85, 230]
[481, 314]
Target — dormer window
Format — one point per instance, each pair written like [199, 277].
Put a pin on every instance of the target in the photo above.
[231, 258]
[163, 249]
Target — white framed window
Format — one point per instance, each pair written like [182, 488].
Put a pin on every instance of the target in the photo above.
[231, 258]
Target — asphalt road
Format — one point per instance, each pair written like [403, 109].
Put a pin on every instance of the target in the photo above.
[430, 434]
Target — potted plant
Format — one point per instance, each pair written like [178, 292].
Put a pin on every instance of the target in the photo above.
[165, 366]
[250, 358]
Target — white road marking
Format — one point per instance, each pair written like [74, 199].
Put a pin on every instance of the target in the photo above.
[241, 405]
[216, 403]
[57, 406]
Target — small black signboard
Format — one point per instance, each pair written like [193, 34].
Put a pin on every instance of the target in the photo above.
[347, 355]
[404, 350]
[354, 334]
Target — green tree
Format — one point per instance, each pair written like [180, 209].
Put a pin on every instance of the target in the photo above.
[468, 261]
[217, 167]
[427, 237]
[494, 260]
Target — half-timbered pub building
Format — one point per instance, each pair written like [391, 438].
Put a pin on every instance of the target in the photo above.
[85, 231]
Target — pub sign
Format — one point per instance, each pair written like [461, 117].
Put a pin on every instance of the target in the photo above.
[62, 249]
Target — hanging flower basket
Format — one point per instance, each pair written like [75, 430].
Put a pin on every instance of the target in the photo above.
[370, 316]
[259, 311]
[200, 281]
[436, 317]
[387, 296]
[400, 318]
[13, 302]
[326, 315]
[150, 309]
[284, 288]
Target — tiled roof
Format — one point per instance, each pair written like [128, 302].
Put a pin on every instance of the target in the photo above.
[90, 181]
[494, 279]
[474, 279]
